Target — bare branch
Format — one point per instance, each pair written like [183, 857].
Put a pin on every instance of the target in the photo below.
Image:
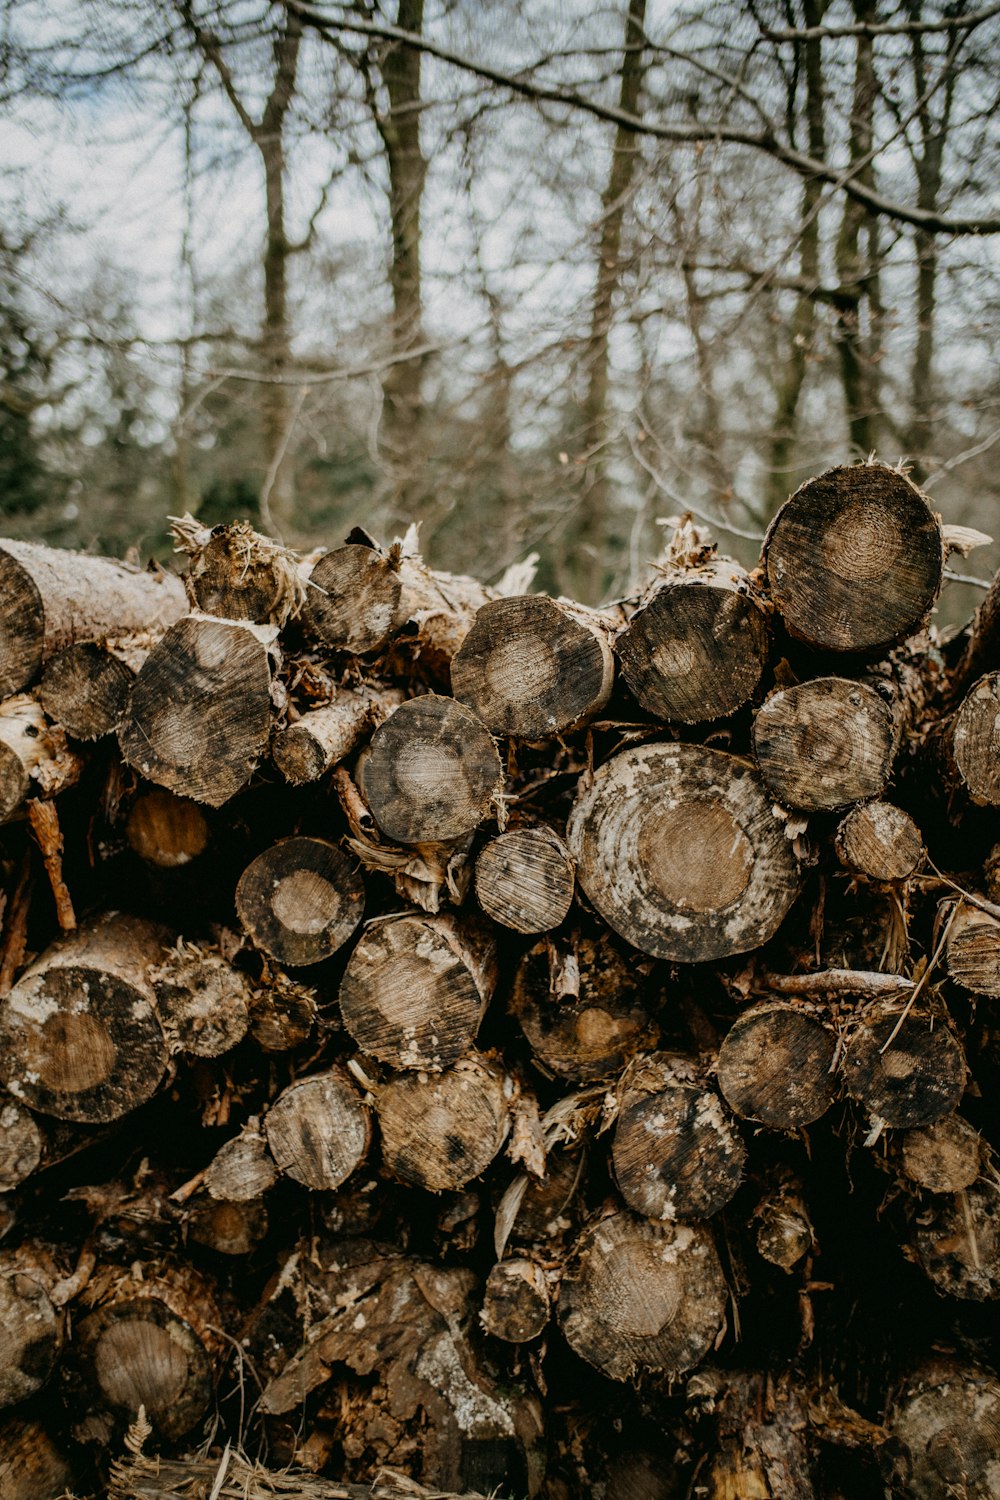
[883, 28]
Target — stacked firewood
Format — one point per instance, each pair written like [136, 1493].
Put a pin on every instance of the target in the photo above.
[453, 1037]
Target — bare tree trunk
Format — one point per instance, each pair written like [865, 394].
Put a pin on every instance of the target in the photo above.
[399, 128]
[591, 533]
[803, 320]
[853, 263]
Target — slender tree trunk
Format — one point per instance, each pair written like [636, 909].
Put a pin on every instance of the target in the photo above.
[591, 533]
[804, 318]
[399, 129]
[853, 264]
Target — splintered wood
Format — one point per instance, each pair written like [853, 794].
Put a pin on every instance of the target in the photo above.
[455, 1042]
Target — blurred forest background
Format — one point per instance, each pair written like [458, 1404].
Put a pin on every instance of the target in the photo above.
[534, 273]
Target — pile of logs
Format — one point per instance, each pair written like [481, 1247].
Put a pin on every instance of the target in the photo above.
[454, 1038]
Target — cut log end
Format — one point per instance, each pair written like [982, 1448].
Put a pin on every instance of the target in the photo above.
[695, 652]
[22, 626]
[200, 714]
[946, 1419]
[29, 1337]
[166, 830]
[959, 1244]
[945, 1157]
[678, 849]
[440, 1132]
[202, 1001]
[775, 1067]
[21, 1144]
[784, 1231]
[880, 842]
[431, 773]
[319, 1130]
[525, 880]
[241, 575]
[824, 744]
[301, 900]
[516, 1301]
[975, 741]
[227, 1228]
[81, 1043]
[32, 1466]
[415, 990]
[84, 688]
[675, 1153]
[138, 1352]
[643, 1296]
[354, 600]
[854, 559]
[917, 1079]
[531, 668]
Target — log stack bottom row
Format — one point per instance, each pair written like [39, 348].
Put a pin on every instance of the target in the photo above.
[454, 1041]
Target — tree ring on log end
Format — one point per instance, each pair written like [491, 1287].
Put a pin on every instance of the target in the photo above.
[431, 772]
[440, 1132]
[319, 1130]
[300, 900]
[658, 894]
[695, 652]
[976, 741]
[854, 559]
[80, 1043]
[641, 1295]
[525, 880]
[529, 668]
[919, 1078]
[29, 1337]
[139, 1352]
[824, 743]
[775, 1067]
[946, 1422]
[353, 599]
[22, 626]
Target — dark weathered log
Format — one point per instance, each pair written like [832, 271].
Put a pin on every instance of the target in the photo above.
[150, 1341]
[21, 1144]
[85, 687]
[319, 1130]
[166, 830]
[534, 667]
[695, 648]
[879, 841]
[416, 988]
[35, 760]
[678, 849]
[236, 573]
[32, 1466]
[441, 1131]
[776, 1066]
[30, 1331]
[525, 879]
[199, 714]
[972, 947]
[579, 1002]
[642, 1296]
[80, 1037]
[300, 900]
[958, 1244]
[50, 598]
[824, 744]
[945, 1157]
[854, 559]
[243, 1169]
[516, 1300]
[360, 597]
[784, 1231]
[548, 1206]
[282, 1012]
[761, 1449]
[915, 1079]
[946, 1420]
[202, 1001]
[226, 1228]
[431, 773]
[641, 1475]
[676, 1154]
[325, 736]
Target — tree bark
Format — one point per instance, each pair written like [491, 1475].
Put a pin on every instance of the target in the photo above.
[50, 599]
[35, 760]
